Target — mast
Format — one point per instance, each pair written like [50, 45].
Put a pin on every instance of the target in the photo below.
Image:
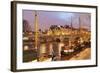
[79, 28]
[71, 24]
[71, 33]
[79, 24]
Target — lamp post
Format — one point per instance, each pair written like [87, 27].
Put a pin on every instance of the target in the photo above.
[36, 30]
[36, 34]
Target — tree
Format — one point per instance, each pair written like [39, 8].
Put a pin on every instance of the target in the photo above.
[26, 26]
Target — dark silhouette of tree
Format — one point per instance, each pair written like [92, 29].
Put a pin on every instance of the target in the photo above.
[26, 26]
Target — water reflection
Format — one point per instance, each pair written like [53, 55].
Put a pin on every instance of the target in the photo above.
[49, 49]
[55, 50]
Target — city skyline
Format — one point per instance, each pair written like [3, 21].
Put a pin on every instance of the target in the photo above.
[48, 18]
[61, 42]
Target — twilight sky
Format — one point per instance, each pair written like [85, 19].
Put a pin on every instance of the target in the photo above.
[48, 18]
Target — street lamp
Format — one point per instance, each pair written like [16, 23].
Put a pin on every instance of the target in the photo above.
[36, 30]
